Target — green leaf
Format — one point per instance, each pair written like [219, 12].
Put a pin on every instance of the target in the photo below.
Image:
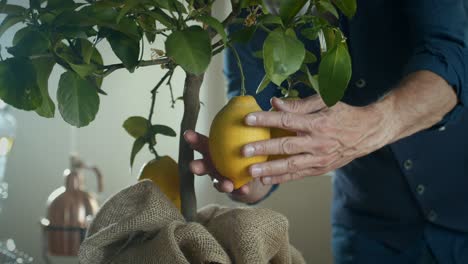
[99, 15]
[128, 27]
[73, 59]
[334, 74]
[258, 54]
[243, 35]
[215, 24]
[325, 6]
[137, 146]
[263, 84]
[330, 38]
[162, 18]
[348, 7]
[59, 4]
[20, 34]
[270, 20]
[86, 49]
[290, 8]
[311, 81]
[283, 55]
[8, 22]
[44, 68]
[13, 10]
[190, 48]
[35, 4]
[148, 24]
[126, 49]
[311, 33]
[171, 5]
[163, 130]
[310, 57]
[32, 43]
[78, 101]
[96, 59]
[127, 6]
[136, 126]
[18, 85]
[70, 18]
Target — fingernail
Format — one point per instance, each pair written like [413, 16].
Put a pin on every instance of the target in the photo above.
[280, 101]
[251, 119]
[255, 171]
[249, 151]
[266, 180]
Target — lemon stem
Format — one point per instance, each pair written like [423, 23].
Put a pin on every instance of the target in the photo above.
[153, 150]
[241, 70]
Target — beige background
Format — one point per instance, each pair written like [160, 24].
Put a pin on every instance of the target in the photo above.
[40, 155]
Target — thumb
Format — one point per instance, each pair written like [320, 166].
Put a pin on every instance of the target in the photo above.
[307, 105]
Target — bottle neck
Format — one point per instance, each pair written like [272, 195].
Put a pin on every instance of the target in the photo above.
[74, 181]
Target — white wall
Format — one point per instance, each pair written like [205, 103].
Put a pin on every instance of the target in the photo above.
[40, 155]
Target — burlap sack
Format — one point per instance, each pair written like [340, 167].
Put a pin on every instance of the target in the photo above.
[140, 225]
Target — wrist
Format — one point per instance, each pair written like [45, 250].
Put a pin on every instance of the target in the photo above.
[387, 114]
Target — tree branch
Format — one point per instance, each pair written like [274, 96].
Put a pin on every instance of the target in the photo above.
[191, 110]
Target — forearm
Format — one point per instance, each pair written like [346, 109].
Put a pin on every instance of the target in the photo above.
[419, 102]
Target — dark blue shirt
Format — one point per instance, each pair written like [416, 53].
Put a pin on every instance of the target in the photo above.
[394, 192]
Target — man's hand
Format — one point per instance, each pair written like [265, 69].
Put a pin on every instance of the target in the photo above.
[327, 138]
[249, 193]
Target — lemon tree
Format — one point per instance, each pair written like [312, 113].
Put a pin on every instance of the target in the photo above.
[65, 33]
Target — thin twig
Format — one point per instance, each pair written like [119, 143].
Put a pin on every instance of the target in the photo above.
[142, 49]
[169, 83]
[113, 67]
[218, 44]
[153, 93]
[41, 56]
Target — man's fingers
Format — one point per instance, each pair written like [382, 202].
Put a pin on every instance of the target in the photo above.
[197, 141]
[223, 185]
[291, 146]
[291, 176]
[201, 167]
[307, 172]
[284, 120]
[307, 105]
[292, 164]
[241, 191]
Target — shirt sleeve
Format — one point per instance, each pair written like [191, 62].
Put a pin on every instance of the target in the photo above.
[439, 44]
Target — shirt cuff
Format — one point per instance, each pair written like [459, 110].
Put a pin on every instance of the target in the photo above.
[272, 190]
[438, 63]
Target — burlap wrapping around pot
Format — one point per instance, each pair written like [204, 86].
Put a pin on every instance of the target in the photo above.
[140, 225]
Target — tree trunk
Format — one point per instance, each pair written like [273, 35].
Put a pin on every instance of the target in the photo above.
[189, 121]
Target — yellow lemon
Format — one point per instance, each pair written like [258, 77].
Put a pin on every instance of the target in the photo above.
[165, 174]
[229, 133]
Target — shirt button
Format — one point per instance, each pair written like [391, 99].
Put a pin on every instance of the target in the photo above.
[432, 216]
[442, 128]
[408, 164]
[420, 189]
[361, 83]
